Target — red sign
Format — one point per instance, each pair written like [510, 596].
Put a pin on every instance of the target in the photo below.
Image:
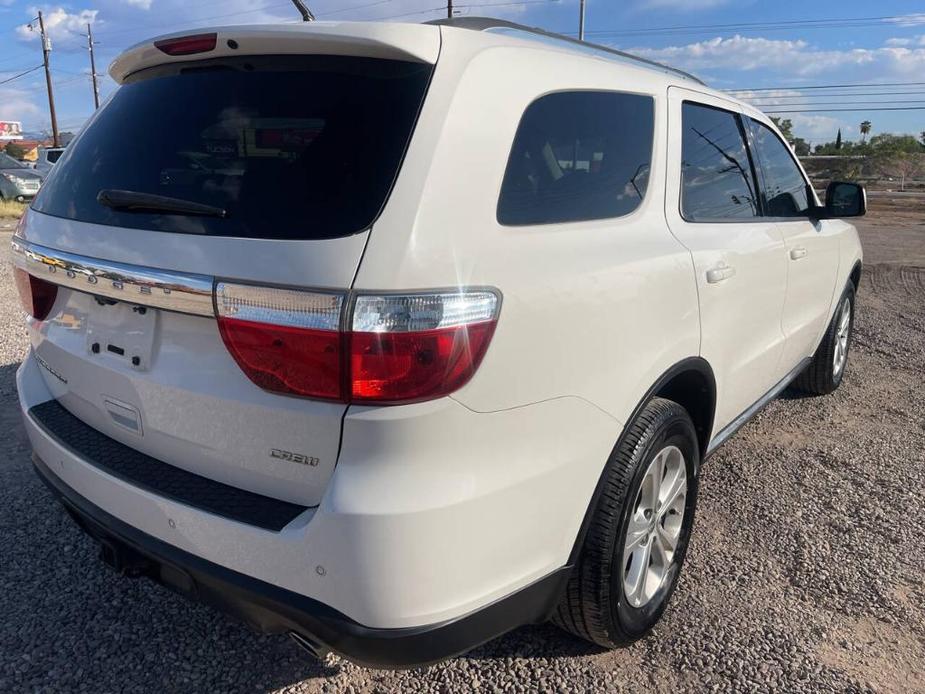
[10, 130]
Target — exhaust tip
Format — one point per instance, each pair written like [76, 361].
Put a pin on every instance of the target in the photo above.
[316, 649]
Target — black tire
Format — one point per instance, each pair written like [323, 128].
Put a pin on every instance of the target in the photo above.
[594, 606]
[820, 377]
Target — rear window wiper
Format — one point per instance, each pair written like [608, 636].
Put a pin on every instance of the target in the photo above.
[133, 201]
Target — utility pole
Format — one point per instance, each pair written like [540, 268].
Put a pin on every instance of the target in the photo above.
[449, 9]
[581, 22]
[46, 49]
[96, 86]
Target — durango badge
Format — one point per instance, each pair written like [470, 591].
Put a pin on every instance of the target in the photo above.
[299, 458]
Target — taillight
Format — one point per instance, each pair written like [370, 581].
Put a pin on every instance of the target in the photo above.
[397, 348]
[419, 346]
[37, 296]
[187, 45]
[284, 340]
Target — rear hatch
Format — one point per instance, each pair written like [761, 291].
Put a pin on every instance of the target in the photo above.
[288, 159]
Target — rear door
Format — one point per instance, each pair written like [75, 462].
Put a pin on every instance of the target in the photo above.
[812, 245]
[293, 157]
[713, 208]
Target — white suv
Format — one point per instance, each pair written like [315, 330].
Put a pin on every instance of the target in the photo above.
[47, 158]
[408, 335]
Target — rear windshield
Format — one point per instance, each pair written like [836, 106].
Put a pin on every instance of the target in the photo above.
[295, 147]
[53, 155]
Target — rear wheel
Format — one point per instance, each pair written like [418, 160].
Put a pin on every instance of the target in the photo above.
[639, 531]
[827, 368]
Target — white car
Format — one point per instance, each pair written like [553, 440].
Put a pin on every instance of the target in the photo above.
[436, 344]
[47, 159]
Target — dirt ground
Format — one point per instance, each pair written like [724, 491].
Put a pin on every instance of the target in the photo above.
[805, 570]
[894, 229]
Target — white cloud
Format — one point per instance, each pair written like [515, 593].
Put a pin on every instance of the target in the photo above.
[898, 42]
[795, 58]
[908, 20]
[815, 128]
[142, 4]
[17, 105]
[66, 29]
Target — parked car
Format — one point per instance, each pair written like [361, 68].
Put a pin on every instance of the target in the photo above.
[17, 181]
[436, 344]
[47, 158]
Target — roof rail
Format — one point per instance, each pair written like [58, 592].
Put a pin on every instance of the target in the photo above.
[486, 23]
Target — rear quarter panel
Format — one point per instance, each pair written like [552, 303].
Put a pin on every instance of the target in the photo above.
[595, 310]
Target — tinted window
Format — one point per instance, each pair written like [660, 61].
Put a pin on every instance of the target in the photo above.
[716, 174]
[578, 156]
[301, 147]
[784, 185]
[53, 155]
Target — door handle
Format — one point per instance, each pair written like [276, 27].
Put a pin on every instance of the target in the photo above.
[797, 253]
[720, 273]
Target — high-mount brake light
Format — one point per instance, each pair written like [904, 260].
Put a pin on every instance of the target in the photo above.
[37, 295]
[188, 45]
[398, 348]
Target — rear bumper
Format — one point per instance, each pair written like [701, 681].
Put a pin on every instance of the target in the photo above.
[435, 515]
[271, 609]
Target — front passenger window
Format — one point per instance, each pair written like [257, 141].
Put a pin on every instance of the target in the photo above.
[784, 186]
[716, 174]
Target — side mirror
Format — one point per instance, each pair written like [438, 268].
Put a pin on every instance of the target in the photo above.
[845, 200]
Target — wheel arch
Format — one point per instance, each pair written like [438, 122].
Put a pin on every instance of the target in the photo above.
[691, 383]
[855, 275]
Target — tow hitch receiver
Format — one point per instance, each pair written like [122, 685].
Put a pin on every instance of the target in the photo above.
[123, 560]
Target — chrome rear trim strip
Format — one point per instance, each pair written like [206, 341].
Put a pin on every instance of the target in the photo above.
[136, 284]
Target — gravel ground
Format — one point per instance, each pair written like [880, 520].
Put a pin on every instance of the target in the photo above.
[804, 572]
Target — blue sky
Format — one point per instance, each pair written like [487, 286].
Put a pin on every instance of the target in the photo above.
[849, 42]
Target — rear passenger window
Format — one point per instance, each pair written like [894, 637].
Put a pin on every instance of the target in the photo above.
[716, 174]
[784, 185]
[578, 156]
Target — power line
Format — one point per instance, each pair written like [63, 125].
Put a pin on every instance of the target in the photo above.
[850, 103]
[442, 8]
[22, 74]
[833, 110]
[142, 27]
[827, 23]
[355, 7]
[826, 95]
[17, 56]
[829, 86]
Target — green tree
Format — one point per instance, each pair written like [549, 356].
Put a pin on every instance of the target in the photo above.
[895, 163]
[785, 125]
[865, 129]
[801, 147]
[891, 142]
[838, 140]
[14, 150]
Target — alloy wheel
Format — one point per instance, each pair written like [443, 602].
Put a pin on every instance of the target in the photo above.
[841, 339]
[655, 526]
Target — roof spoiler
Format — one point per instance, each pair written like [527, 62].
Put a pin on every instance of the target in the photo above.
[410, 42]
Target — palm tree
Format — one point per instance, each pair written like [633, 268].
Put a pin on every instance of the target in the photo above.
[865, 129]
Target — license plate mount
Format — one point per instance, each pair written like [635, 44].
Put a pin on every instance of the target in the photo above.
[122, 332]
